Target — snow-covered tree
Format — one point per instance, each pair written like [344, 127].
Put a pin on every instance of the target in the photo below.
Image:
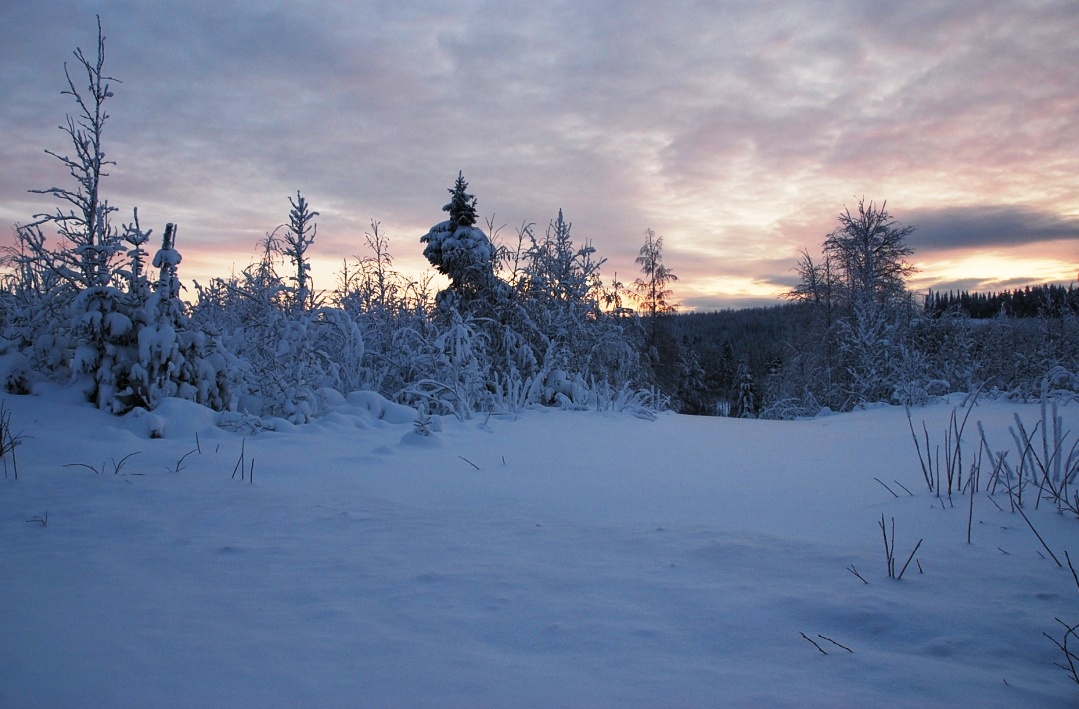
[745, 402]
[817, 288]
[297, 239]
[167, 261]
[559, 272]
[175, 357]
[859, 310]
[462, 205]
[692, 388]
[83, 222]
[462, 252]
[653, 291]
[869, 253]
[102, 317]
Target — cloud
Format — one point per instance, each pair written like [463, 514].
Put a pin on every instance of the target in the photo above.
[737, 130]
[983, 285]
[988, 226]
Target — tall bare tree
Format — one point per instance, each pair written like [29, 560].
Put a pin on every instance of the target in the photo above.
[83, 222]
[653, 291]
[869, 252]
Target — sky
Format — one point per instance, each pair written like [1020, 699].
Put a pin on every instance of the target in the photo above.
[737, 131]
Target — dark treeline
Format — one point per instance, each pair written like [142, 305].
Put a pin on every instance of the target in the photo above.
[1028, 302]
[749, 357]
[736, 351]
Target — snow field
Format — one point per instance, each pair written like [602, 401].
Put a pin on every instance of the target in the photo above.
[591, 559]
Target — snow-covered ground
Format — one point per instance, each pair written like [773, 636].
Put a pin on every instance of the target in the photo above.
[552, 559]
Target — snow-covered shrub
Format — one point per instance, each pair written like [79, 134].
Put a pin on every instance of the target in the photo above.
[106, 347]
[272, 356]
[33, 317]
[788, 409]
[552, 327]
[281, 360]
[912, 380]
[455, 370]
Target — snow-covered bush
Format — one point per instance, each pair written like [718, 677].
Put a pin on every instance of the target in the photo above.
[275, 358]
[456, 372]
[912, 380]
[33, 319]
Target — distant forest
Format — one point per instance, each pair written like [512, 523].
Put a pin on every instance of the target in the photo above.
[743, 353]
[1029, 302]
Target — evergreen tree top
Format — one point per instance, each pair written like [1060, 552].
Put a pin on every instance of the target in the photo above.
[462, 206]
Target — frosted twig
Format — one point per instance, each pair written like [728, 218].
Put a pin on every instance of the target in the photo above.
[904, 487]
[117, 466]
[855, 572]
[904, 569]
[824, 637]
[240, 463]
[886, 487]
[1069, 655]
[8, 441]
[818, 646]
[180, 463]
[1027, 520]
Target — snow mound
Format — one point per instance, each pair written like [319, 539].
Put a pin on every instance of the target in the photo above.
[173, 418]
[376, 407]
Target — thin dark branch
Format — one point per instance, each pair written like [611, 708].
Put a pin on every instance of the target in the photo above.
[1027, 520]
[1072, 568]
[904, 487]
[886, 487]
[904, 569]
[240, 463]
[855, 572]
[117, 466]
[84, 465]
[825, 637]
[814, 643]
